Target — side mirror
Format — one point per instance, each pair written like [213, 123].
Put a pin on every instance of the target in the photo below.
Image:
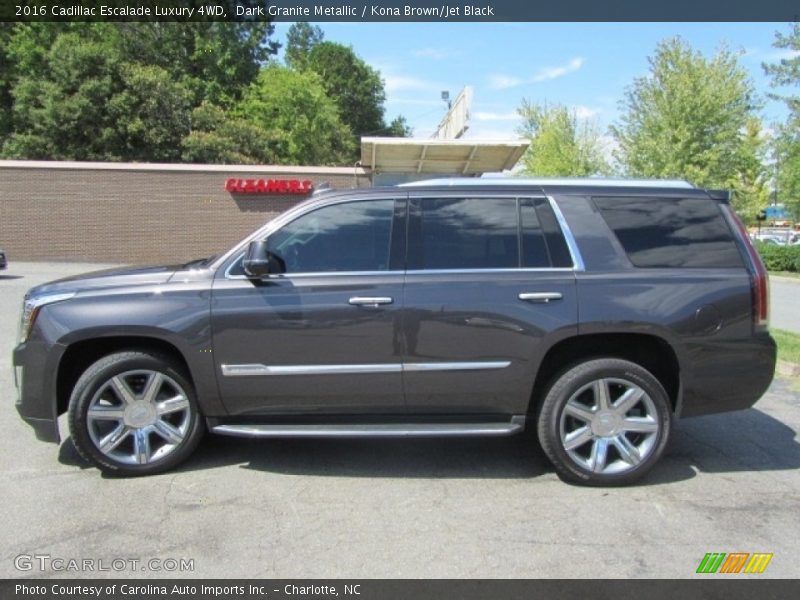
[260, 262]
[256, 259]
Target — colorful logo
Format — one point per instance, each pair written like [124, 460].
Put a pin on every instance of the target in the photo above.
[735, 562]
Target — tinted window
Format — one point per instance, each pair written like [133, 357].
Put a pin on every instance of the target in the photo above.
[354, 236]
[671, 232]
[468, 233]
[534, 249]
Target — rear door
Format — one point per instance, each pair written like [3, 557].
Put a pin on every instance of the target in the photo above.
[489, 278]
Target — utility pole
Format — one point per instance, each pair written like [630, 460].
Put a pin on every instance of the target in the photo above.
[777, 175]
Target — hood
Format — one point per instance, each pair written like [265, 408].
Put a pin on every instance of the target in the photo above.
[108, 278]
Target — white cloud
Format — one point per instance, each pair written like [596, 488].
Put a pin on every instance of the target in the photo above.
[492, 132]
[396, 83]
[433, 53]
[585, 112]
[494, 116]
[777, 55]
[770, 55]
[501, 81]
[417, 102]
[608, 146]
[548, 73]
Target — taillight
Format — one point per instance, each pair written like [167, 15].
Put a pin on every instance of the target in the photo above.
[759, 281]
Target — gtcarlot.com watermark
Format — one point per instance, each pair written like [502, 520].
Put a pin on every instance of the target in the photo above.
[61, 564]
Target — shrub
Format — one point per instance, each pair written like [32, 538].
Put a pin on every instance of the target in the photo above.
[779, 258]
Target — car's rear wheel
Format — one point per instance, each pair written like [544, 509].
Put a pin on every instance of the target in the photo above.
[135, 413]
[604, 422]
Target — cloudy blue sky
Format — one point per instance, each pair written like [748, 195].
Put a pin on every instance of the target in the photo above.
[584, 65]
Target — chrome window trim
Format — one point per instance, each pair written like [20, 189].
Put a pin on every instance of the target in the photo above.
[408, 272]
[572, 244]
[308, 273]
[258, 369]
[489, 271]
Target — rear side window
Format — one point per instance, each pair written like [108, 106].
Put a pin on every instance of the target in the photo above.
[484, 233]
[469, 233]
[671, 232]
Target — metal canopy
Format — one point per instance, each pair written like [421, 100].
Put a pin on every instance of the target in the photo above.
[441, 157]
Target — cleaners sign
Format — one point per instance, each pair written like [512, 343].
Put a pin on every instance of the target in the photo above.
[269, 186]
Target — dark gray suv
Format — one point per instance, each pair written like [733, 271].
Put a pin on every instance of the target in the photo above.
[593, 311]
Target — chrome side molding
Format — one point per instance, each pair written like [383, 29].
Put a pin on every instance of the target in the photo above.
[256, 369]
[515, 425]
[457, 366]
[259, 369]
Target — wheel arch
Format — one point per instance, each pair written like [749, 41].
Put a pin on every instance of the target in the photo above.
[79, 355]
[652, 352]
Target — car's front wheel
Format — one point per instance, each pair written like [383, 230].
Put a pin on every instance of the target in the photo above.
[134, 413]
[604, 422]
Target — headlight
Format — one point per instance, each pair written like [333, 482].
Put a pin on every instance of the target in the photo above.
[30, 310]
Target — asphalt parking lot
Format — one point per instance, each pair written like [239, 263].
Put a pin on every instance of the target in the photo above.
[400, 508]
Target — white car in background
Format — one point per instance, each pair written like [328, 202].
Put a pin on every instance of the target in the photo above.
[768, 238]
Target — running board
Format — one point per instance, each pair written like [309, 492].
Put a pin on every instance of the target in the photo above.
[515, 425]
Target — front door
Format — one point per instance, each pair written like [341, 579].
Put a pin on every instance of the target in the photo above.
[322, 336]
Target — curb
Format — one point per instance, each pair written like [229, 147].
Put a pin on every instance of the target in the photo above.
[787, 369]
[784, 279]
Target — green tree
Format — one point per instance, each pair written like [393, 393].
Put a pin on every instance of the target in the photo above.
[687, 118]
[356, 87]
[84, 101]
[216, 61]
[152, 114]
[218, 136]
[119, 91]
[300, 40]
[285, 117]
[751, 192]
[786, 74]
[560, 143]
[398, 128]
[60, 110]
[6, 80]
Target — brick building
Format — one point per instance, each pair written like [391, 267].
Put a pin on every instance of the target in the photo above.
[137, 213]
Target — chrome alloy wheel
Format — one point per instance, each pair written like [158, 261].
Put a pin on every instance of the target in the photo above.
[609, 426]
[139, 417]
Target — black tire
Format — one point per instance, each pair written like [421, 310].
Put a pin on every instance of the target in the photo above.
[580, 385]
[132, 367]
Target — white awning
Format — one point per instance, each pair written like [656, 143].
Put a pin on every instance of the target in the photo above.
[440, 157]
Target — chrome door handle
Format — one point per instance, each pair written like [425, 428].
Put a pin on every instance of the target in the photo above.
[369, 301]
[543, 297]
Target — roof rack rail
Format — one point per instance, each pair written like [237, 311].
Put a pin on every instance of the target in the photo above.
[553, 181]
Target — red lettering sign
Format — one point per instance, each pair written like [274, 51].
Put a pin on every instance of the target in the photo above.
[269, 186]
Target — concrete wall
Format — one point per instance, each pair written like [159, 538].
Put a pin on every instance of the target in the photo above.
[138, 213]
